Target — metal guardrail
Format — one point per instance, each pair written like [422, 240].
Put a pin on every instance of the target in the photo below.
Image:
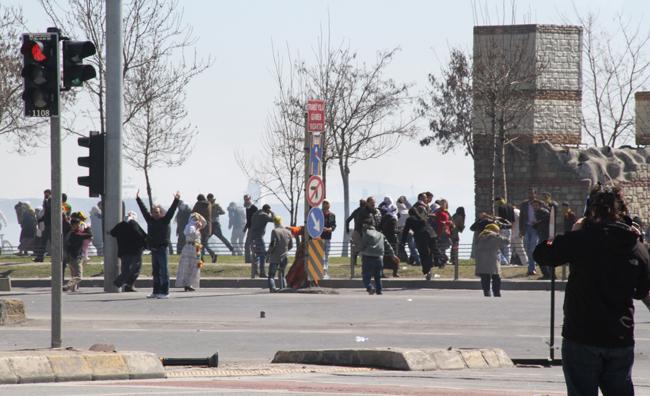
[336, 249]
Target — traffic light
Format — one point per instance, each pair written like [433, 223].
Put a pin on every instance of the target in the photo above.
[94, 162]
[40, 79]
[74, 71]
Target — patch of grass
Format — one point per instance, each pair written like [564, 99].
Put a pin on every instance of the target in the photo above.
[234, 267]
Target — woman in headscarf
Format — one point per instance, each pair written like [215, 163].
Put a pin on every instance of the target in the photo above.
[388, 227]
[488, 265]
[27, 219]
[189, 266]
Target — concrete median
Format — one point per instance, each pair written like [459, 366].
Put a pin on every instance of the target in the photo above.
[60, 365]
[408, 359]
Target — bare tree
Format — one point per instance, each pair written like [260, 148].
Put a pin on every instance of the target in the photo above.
[280, 166]
[448, 106]
[159, 133]
[366, 115]
[616, 66]
[505, 69]
[156, 73]
[20, 132]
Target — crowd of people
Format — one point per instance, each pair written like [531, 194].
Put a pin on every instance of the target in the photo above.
[426, 228]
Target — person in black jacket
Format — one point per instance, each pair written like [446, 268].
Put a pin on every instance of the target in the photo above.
[326, 236]
[608, 269]
[425, 239]
[251, 209]
[131, 241]
[157, 242]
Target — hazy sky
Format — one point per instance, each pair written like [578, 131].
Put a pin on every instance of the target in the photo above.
[230, 101]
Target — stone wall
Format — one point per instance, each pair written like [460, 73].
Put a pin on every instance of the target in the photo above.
[642, 117]
[568, 173]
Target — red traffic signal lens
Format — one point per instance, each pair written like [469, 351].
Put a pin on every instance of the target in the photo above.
[37, 51]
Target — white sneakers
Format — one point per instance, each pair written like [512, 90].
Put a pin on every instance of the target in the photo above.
[159, 296]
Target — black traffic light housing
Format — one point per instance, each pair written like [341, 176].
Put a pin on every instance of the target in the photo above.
[94, 162]
[74, 70]
[40, 74]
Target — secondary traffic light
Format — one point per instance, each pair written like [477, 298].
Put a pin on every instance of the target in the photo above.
[74, 71]
[94, 162]
[40, 66]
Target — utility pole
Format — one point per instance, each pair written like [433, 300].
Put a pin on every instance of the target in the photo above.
[113, 178]
[56, 239]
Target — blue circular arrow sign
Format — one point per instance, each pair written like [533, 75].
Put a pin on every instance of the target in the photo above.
[315, 222]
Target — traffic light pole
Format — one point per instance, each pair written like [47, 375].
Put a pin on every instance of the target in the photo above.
[113, 157]
[56, 249]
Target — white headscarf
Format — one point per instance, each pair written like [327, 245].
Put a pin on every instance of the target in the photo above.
[131, 215]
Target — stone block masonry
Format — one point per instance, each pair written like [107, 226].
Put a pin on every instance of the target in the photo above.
[642, 117]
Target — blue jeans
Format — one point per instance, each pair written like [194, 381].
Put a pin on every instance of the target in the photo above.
[326, 259]
[279, 267]
[371, 268]
[413, 251]
[504, 255]
[587, 368]
[160, 270]
[259, 251]
[531, 239]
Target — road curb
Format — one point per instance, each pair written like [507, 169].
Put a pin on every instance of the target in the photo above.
[234, 283]
[60, 365]
[400, 358]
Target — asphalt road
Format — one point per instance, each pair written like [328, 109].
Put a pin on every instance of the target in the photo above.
[228, 321]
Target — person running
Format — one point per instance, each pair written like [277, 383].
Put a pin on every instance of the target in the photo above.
[131, 241]
[157, 241]
[215, 211]
[189, 265]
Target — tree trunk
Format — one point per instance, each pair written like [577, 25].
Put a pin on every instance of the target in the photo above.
[345, 178]
[146, 178]
[493, 121]
[502, 154]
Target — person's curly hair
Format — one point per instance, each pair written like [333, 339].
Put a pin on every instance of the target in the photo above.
[606, 203]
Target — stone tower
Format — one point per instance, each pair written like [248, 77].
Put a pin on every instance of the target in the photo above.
[549, 104]
[544, 152]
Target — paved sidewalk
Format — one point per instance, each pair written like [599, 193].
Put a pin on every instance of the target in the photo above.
[402, 283]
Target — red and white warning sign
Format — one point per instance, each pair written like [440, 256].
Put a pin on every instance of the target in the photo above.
[315, 191]
[315, 115]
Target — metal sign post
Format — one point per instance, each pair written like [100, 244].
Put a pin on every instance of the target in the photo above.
[314, 189]
[56, 239]
[551, 343]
